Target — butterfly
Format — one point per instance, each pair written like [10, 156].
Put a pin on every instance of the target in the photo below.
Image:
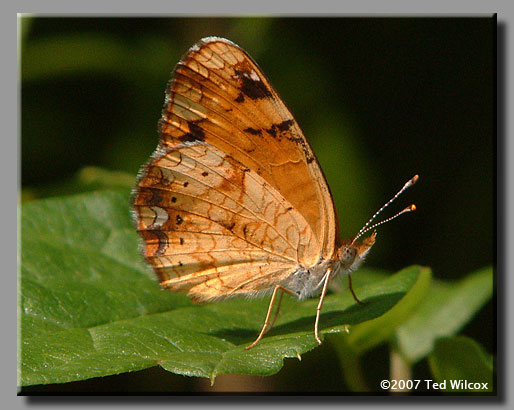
[233, 201]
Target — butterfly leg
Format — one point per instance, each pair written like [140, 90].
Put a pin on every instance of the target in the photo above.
[353, 293]
[276, 313]
[325, 281]
[267, 324]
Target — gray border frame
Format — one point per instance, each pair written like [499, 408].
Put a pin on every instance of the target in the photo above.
[505, 151]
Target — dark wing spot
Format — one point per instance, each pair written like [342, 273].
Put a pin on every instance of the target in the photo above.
[156, 198]
[179, 219]
[253, 131]
[297, 140]
[186, 184]
[281, 127]
[163, 241]
[187, 138]
[240, 98]
[255, 89]
[300, 141]
[285, 125]
[195, 133]
[205, 173]
[229, 226]
[173, 199]
[182, 241]
[272, 131]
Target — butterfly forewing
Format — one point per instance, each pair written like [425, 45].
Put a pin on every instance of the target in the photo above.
[233, 200]
[220, 95]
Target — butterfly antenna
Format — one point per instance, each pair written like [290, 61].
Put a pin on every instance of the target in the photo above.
[410, 208]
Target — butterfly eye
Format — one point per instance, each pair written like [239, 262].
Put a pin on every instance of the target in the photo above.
[347, 255]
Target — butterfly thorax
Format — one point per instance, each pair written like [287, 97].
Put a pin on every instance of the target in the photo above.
[306, 281]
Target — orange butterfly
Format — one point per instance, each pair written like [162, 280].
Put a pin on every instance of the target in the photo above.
[233, 201]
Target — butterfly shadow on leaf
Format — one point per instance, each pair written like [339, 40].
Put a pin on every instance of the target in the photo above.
[354, 314]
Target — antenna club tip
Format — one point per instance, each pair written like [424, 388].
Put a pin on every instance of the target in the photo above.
[410, 208]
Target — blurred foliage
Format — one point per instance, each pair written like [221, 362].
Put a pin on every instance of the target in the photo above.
[86, 180]
[464, 362]
[379, 100]
[445, 310]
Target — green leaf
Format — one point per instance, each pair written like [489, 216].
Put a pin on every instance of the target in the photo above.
[444, 311]
[371, 333]
[89, 306]
[462, 365]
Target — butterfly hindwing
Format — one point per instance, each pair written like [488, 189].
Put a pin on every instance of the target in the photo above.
[205, 217]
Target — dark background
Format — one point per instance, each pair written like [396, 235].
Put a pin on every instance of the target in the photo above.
[380, 99]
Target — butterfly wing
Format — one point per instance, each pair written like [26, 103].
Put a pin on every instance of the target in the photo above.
[210, 225]
[234, 198]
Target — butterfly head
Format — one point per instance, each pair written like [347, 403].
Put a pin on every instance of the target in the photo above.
[352, 253]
